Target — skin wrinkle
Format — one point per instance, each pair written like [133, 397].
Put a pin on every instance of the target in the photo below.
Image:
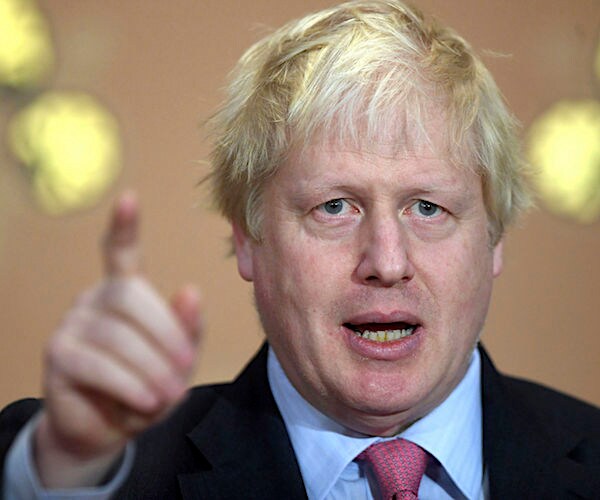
[360, 73]
[313, 274]
[378, 133]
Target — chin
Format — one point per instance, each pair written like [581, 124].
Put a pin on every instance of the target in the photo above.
[378, 421]
[377, 410]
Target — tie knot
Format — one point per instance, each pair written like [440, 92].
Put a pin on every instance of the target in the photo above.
[398, 466]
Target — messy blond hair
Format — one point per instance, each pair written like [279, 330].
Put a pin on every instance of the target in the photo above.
[357, 71]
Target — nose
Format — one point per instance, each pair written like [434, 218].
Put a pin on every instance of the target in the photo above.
[385, 258]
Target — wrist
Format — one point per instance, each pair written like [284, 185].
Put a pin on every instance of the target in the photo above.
[61, 464]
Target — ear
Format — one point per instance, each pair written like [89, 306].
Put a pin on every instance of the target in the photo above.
[497, 258]
[243, 252]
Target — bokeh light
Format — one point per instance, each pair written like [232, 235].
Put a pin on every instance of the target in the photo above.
[26, 52]
[597, 61]
[564, 149]
[71, 146]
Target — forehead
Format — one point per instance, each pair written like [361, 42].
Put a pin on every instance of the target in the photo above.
[410, 156]
[332, 172]
[421, 127]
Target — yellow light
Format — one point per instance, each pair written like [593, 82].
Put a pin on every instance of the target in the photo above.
[71, 147]
[597, 62]
[564, 148]
[26, 54]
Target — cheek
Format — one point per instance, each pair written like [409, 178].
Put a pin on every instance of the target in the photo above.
[460, 277]
[309, 264]
[298, 289]
[286, 282]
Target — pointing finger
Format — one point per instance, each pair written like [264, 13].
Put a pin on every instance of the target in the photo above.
[121, 245]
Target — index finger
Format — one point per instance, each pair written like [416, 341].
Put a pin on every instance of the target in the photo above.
[121, 248]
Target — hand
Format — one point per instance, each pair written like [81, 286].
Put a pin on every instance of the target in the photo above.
[118, 363]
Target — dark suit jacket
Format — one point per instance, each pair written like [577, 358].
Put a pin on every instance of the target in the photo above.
[229, 441]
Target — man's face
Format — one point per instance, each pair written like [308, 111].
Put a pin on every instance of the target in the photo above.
[372, 280]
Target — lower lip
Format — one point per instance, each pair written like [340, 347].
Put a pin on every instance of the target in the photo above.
[392, 350]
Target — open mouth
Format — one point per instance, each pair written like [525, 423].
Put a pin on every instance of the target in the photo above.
[382, 332]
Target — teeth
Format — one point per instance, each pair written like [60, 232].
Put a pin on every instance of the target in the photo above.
[386, 335]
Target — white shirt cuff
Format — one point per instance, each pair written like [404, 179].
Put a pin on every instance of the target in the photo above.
[21, 481]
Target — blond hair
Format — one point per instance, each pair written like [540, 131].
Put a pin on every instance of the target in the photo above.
[356, 71]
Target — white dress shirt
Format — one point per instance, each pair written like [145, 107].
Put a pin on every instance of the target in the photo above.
[451, 433]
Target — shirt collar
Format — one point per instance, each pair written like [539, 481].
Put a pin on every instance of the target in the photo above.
[451, 433]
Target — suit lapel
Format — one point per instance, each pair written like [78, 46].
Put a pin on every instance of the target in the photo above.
[527, 452]
[244, 440]
[527, 455]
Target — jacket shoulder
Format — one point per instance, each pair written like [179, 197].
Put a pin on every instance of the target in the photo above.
[13, 417]
[538, 442]
[556, 409]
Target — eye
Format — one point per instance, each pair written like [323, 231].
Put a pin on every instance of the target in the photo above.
[336, 206]
[426, 209]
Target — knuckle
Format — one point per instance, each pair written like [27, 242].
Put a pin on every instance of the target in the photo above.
[167, 383]
[119, 292]
[157, 373]
[57, 351]
[86, 297]
[76, 324]
[112, 292]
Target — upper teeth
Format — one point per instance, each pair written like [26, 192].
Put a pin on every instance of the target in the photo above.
[384, 335]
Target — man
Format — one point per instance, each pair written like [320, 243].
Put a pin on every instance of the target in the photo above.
[369, 167]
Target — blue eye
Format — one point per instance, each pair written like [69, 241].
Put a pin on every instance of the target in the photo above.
[334, 207]
[426, 208]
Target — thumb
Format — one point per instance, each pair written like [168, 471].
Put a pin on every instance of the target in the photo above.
[186, 306]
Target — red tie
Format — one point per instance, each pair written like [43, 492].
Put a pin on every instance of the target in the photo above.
[398, 466]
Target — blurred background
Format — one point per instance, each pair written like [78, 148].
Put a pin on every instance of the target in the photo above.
[100, 96]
